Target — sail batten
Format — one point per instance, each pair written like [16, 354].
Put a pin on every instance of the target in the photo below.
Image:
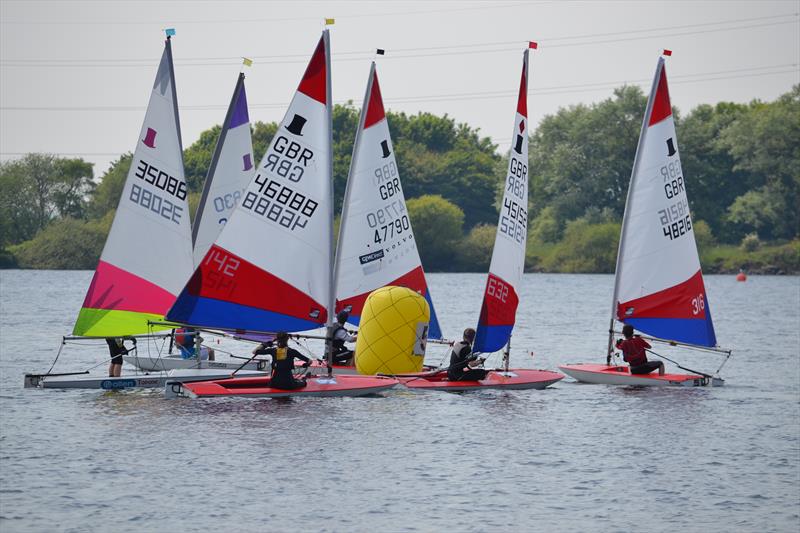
[501, 294]
[376, 241]
[659, 286]
[269, 268]
[151, 228]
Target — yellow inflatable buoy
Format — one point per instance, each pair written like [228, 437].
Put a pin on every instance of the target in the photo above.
[392, 332]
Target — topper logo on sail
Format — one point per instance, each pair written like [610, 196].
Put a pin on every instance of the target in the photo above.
[518, 145]
[150, 138]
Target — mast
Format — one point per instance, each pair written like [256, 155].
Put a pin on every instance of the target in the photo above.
[347, 187]
[625, 218]
[215, 158]
[329, 109]
[175, 100]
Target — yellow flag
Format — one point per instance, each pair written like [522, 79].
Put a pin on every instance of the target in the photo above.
[328, 22]
[247, 62]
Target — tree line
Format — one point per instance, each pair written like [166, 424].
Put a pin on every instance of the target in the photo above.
[741, 163]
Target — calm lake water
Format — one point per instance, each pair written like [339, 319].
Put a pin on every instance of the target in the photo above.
[570, 458]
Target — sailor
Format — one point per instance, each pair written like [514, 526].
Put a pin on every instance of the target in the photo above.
[116, 347]
[283, 362]
[341, 354]
[462, 360]
[185, 341]
[633, 351]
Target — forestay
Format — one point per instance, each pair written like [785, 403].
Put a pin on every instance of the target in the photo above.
[269, 269]
[376, 243]
[147, 256]
[230, 172]
[501, 296]
[659, 288]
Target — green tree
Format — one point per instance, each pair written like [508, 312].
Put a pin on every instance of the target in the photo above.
[39, 187]
[586, 247]
[475, 252]
[66, 244]
[581, 157]
[437, 226]
[108, 191]
[766, 143]
[711, 182]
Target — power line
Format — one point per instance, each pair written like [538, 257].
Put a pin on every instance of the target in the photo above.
[480, 95]
[404, 53]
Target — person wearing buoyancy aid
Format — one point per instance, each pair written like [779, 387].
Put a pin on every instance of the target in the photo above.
[185, 341]
[633, 351]
[462, 360]
[341, 354]
[283, 362]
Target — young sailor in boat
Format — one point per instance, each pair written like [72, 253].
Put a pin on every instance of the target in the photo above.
[185, 341]
[341, 354]
[116, 347]
[633, 351]
[462, 360]
[283, 362]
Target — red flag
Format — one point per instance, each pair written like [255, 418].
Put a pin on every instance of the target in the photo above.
[533, 44]
[667, 52]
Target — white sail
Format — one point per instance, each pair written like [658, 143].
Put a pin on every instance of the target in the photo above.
[376, 243]
[270, 267]
[147, 256]
[230, 172]
[659, 284]
[501, 295]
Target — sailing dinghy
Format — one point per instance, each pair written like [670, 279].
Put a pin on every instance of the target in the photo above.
[501, 296]
[131, 287]
[659, 287]
[271, 267]
[230, 171]
[376, 242]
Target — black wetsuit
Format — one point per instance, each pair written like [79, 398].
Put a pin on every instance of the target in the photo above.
[282, 366]
[459, 357]
[116, 350]
[341, 355]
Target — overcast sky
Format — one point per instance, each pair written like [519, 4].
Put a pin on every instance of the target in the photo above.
[75, 77]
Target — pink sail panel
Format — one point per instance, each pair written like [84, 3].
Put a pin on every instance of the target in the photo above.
[115, 289]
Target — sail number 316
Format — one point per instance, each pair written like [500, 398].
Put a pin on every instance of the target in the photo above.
[698, 304]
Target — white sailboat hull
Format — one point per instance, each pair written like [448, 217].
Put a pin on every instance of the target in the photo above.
[620, 375]
[131, 382]
[174, 362]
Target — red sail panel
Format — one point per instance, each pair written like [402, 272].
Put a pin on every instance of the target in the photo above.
[314, 82]
[685, 300]
[229, 278]
[375, 110]
[661, 105]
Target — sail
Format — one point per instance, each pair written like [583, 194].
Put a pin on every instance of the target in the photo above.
[659, 288]
[230, 172]
[376, 243]
[147, 256]
[501, 296]
[269, 269]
